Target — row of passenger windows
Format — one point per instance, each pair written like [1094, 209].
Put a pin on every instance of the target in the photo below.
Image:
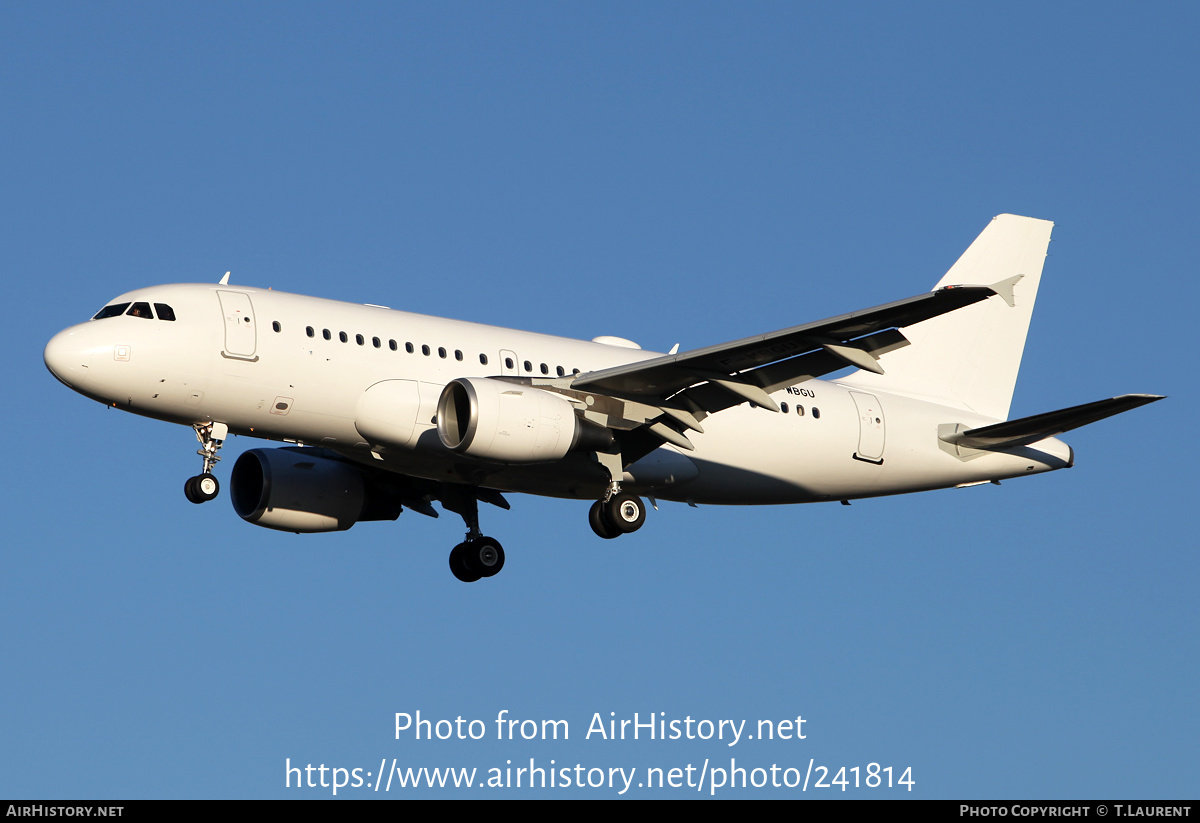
[142, 310]
[165, 312]
[483, 358]
[426, 350]
[816, 413]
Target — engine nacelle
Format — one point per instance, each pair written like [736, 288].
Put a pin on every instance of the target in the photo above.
[296, 490]
[508, 422]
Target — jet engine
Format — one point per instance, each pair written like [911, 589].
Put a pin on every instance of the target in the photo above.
[299, 490]
[511, 422]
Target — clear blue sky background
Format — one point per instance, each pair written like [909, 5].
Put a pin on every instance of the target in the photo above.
[673, 173]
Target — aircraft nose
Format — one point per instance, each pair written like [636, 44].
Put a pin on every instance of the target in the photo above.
[65, 357]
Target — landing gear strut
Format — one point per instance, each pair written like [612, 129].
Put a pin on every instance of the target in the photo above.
[618, 512]
[477, 556]
[204, 486]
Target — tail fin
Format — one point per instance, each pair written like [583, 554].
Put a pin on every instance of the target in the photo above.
[969, 358]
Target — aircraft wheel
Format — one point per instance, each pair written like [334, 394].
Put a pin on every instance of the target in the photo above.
[485, 555]
[206, 487]
[189, 491]
[626, 512]
[458, 564]
[599, 522]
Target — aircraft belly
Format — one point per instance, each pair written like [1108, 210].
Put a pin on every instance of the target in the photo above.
[664, 468]
[574, 477]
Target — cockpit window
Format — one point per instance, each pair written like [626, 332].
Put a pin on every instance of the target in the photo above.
[140, 310]
[114, 310]
[164, 311]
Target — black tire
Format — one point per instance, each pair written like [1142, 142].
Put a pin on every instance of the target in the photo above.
[189, 491]
[458, 564]
[626, 512]
[599, 522]
[485, 556]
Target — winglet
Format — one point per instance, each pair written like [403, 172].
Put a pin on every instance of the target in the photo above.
[225, 279]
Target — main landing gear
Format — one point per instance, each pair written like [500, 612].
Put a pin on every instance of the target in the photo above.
[618, 512]
[621, 513]
[204, 486]
[478, 556]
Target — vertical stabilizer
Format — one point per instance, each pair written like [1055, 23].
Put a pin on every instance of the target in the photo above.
[969, 358]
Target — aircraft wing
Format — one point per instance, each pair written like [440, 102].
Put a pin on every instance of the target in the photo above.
[717, 377]
[654, 401]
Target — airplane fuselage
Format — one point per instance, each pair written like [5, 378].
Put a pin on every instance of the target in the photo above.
[312, 371]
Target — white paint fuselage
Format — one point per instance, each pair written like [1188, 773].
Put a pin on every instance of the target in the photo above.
[223, 360]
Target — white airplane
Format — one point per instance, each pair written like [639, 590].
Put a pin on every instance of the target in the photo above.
[389, 409]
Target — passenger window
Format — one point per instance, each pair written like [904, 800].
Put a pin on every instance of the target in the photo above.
[425, 350]
[545, 369]
[325, 333]
[375, 342]
[408, 347]
[561, 371]
[358, 338]
[783, 407]
[141, 310]
[799, 410]
[816, 413]
[508, 363]
[275, 325]
[483, 359]
[115, 310]
[458, 355]
[392, 345]
[164, 311]
[441, 352]
[343, 337]
[309, 331]
[528, 366]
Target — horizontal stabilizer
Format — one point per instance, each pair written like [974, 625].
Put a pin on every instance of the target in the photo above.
[1026, 430]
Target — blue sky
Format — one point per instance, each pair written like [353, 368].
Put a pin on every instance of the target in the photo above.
[668, 172]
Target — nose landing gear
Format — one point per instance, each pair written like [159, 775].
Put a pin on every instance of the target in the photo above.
[204, 486]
